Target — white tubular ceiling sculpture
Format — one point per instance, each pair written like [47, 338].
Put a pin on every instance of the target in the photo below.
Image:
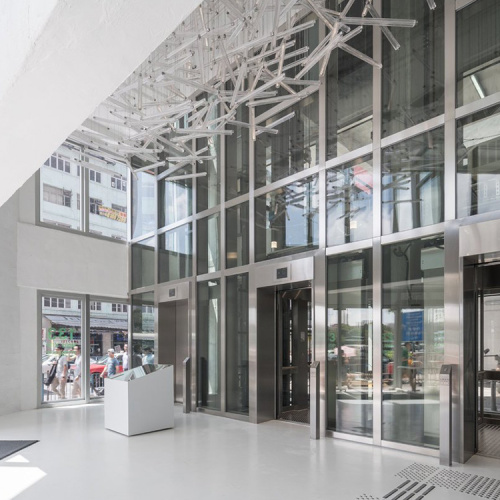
[227, 54]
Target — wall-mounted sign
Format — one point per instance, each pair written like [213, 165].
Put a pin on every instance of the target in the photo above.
[413, 326]
[171, 292]
[281, 273]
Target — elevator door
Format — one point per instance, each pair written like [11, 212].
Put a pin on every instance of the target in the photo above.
[488, 379]
[173, 338]
[294, 341]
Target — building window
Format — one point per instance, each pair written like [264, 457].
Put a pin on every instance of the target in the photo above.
[59, 162]
[56, 195]
[95, 176]
[119, 308]
[95, 305]
[118, 183]
[94, 205]
[57, 302]
[119, 208]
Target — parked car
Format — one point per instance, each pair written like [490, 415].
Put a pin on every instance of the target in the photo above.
[47, 360]
[97, 368]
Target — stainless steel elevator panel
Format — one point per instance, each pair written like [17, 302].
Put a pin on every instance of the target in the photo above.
[173, 339]
[266, 354]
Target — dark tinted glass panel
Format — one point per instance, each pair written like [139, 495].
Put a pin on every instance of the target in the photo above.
[478, 51]
[413, 182]
[413, 76]
[478, 163]
[143, 204]
[175, 198]
[208, 238]
[175, 254]
[143, 263]
[294, 146]
[144, 337]
[293, 149]
[237, 152]
[208, 352]
[237, 343]
[237, 234]
[286, 220]
[350, 343]
[349, 202]
[208, 186]
[412, 340]
[349, 92]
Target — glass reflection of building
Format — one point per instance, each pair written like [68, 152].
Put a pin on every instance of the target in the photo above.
[363, 181]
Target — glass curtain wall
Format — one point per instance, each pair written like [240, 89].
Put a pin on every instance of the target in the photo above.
[144, 335]
[175, 254]
[295, 146]
[208, 186]
[413, 182]
[350, 343]
[209, 345]
[143, 263]
[478, 51]
[349, 89]
[388, 203]
[237, 161]
[143, 203]
[286, 220]
[208, 234]
[175, 198]
[413, 75]
[412, 340]
[237, 235]
[478, 163]
[237, 344]
[349, 202]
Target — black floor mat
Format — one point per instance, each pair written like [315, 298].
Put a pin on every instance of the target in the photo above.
[10, 447]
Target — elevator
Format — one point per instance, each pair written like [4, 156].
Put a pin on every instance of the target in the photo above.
[482, 354]
[294, 348]
[173, 339]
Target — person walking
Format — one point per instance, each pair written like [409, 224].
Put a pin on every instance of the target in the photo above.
[111, 364]
[58, 385]
[77, 372]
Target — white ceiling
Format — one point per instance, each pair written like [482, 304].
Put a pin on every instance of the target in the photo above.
[60, 61]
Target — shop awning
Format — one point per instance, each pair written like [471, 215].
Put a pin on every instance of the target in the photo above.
[95, 323]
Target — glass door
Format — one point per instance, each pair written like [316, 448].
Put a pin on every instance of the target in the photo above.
[61, 348]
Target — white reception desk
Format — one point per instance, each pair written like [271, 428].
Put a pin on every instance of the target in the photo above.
[140, 400]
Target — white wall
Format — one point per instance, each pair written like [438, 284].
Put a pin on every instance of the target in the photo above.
[66, 58]
[35, 258]
[10, 336]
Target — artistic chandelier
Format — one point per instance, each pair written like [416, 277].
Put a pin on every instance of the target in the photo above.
[226, 54]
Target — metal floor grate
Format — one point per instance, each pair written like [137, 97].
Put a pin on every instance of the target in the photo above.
[299, 416]
[489, 441]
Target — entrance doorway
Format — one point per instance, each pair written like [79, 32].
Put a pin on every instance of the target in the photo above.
[294, 351]
[487, 358]
[173, 340]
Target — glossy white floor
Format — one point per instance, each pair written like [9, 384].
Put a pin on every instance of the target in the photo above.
[204, 457]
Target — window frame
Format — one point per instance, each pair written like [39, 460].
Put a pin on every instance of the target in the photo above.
[82, 172]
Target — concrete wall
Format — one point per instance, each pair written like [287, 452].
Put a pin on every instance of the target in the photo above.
[35, 258]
